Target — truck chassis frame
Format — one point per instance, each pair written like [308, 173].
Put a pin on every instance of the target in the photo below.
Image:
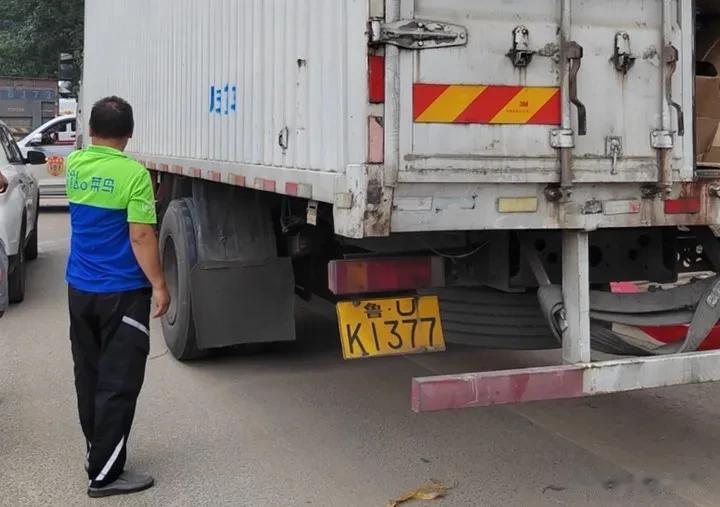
[579, 376]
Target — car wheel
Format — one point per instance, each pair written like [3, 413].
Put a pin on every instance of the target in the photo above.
[4, 268]
[16, 280]
[31, 248]
[178, 250]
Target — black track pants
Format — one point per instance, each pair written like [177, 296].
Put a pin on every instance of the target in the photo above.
[110, 344]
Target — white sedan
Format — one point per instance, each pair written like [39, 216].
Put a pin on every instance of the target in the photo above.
[19, 204]
[56, 139]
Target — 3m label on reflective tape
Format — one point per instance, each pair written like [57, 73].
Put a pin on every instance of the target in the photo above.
[499, 105]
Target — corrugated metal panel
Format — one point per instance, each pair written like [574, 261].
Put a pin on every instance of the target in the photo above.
[271, 64]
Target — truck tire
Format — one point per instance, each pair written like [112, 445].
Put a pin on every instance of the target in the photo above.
[31, 247]
[16, 280]
[178, 250]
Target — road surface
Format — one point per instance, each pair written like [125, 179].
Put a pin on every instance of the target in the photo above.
[298, 426]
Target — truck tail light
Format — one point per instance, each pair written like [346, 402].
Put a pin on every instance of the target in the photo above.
[682, 206]
[362, 276]
[376, 79]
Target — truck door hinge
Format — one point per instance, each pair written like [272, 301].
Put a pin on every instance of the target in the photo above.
[417, 34]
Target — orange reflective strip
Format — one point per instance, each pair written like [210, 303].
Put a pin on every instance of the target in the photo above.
[450, 104]
[480, 104]
[524, 106]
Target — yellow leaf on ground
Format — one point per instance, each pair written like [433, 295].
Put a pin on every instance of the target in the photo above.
[429, 491]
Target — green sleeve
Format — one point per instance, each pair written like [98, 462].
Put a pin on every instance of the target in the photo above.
[141, 207]
[70, 173]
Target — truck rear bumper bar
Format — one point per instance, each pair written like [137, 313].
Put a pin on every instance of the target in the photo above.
[484, 389]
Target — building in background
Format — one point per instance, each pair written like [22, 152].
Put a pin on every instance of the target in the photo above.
[27, 103]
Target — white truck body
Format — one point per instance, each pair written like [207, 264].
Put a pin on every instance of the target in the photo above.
[477, 164]
[274, 95]
[299, 64]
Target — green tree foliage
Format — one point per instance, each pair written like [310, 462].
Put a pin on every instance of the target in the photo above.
[33, 33]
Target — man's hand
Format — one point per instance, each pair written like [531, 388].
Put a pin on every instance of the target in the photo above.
[145, 247]
[161, 297]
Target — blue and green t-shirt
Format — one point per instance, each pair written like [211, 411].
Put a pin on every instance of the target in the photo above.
[107, 190]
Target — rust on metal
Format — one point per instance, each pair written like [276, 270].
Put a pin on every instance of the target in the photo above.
[378, 204]
[496, 388]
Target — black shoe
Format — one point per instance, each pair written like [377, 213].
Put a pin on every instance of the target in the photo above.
[127, 483]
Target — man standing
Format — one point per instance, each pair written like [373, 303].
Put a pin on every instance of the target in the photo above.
[113, 270]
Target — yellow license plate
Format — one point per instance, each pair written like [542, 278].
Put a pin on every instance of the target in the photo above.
[387, 327]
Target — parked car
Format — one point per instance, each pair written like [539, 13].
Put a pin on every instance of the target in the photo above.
[19, 203]
[56, 139]
[3, 279]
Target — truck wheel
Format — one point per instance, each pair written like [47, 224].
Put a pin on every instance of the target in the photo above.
[16, 280]
[31, 248]
[178, 251]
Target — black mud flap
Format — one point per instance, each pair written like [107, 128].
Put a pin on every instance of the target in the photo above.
[236, 302]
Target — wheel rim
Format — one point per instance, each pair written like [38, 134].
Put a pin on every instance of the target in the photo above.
[170, 267]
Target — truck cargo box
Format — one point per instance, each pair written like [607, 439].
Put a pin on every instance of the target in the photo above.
[443, 170]
[411, 115]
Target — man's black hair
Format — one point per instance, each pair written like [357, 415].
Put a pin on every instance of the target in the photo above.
[112, 118]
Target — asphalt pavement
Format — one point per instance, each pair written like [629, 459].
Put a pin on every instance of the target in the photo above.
[298, 426]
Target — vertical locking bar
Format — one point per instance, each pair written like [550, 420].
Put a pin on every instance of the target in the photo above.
[566, 171]
[671, 57]
[576, 296]
[392, 100]
[571, 54]
[565, 37]
[669, 64]
[574, 54]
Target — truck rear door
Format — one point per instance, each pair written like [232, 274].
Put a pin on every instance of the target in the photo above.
[483, 111]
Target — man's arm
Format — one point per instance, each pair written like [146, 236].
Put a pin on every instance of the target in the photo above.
[145, 247]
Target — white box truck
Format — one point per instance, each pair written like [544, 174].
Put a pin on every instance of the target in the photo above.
[444, 170]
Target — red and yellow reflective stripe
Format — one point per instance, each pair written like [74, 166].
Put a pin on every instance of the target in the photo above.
[498, 105]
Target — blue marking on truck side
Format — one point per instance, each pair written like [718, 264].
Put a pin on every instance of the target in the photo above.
[223, 99]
